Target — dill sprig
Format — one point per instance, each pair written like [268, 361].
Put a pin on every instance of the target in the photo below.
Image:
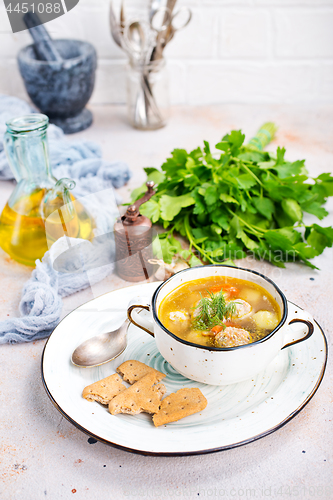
[212, 310]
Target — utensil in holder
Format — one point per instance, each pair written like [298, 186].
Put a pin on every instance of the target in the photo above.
[147, 94]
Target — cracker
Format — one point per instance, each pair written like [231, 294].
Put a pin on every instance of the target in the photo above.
[104, 390]
[133, 370]
[143, 396]
[180, 404]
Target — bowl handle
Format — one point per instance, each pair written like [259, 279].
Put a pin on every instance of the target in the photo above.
[144, 323]
[306, 321]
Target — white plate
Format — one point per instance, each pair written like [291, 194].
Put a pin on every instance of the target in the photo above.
[235, 415]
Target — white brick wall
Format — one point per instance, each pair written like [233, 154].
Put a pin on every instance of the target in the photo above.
[233, 51]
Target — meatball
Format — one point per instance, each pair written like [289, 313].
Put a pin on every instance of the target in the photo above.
[243, 308]
[195, 310]
[179, 321]
[231, 337]
[179, 316]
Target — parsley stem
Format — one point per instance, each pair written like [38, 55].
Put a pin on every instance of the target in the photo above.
[257, 230]
[170, 232]
[251, 173]
[192, 243]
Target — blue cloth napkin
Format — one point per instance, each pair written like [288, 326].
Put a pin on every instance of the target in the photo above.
[95, 178]
[78, 160]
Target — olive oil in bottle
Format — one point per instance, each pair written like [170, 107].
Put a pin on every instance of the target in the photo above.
[41, 209]
[22, 229]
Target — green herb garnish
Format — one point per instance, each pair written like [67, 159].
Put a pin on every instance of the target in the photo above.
[212, 310]
[236, 201]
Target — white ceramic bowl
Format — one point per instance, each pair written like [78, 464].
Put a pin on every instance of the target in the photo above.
[220, 365]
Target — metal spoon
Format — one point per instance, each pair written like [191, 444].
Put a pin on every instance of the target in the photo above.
[115, 28]
[138, 43]
[122, 18]
[136, 39]
[102, 348]
[155, 6]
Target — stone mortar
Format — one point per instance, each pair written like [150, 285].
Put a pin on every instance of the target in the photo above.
[61, 89]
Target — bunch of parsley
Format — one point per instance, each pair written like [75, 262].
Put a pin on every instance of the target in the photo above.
[237, 200]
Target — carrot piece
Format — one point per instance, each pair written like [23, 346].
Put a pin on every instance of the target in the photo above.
[233, 292]
[231, 323]
[217, 329]
[230, 290]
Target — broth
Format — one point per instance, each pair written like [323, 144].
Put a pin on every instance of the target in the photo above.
[220, 311]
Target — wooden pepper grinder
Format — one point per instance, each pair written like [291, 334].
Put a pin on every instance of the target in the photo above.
[133, 237]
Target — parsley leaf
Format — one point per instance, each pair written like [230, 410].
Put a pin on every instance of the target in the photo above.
[171, 205]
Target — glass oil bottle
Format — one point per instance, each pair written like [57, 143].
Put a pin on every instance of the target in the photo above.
[37, 196]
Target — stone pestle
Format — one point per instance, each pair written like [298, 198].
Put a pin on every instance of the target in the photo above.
[59, 76]
[44, 46]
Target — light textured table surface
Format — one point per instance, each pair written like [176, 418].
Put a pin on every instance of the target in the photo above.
[44, 456]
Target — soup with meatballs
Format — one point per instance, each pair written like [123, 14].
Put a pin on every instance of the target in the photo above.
[220, 312]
